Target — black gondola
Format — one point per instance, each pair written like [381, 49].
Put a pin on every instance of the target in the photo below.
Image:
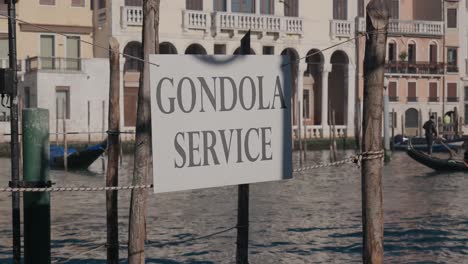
[448, 165]
[76, 160]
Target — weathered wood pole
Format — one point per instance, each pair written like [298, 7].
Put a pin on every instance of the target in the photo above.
[56, 121]
[65, 140]
[242, 249]
[112, 177]
[372, 200]
[103, 131]
[142, 164]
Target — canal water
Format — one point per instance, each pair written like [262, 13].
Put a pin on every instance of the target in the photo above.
[314, 218]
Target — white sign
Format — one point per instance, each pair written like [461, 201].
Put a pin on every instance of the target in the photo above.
[220, 120]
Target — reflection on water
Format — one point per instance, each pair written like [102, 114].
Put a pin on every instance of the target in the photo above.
[314, 218]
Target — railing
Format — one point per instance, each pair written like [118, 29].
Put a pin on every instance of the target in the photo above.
[257, 23]
[196, 20]
[53, 64]
[393, 98]
[433, 99]
[453, 99]
[414, 68]
[409, 27]
[341, 28]
[452, 68]
[412, 99]
[131, 16]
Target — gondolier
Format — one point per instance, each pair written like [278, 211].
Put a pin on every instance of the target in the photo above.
[431, 133]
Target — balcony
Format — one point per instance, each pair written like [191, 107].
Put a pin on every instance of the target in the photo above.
[412, 99]
[410, 27]
[393, 98]
[53, 64]
[225, 21]
[341, 29]
[196, 20]
[131, 16]
[433, 99]
[453, 99]
[416, 68]
[452, 68]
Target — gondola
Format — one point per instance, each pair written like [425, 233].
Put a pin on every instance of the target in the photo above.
[419, 143]
[448, 165]
[76, 160]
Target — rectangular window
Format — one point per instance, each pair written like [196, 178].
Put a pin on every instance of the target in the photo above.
[101, 4]
[340, 9]
[466, 114]
[394, 6]
[433, 53]
[47, 2]
[219, 5]
[291, 8]
[62, 96]
[451, 18]
[452, 92]
[243, 6]
[219, 49]
[3, 8]
[411, 53]
[73, 53]
[78, 3]
[392, 92]
[47, 52]
[433, 92]
[133, 2]
[412, 92]
[452, 60]
[268, 50]
[361, 8]
[306, 102]
[194, 5]
[466, 93]
[391, 52]
[267, 7]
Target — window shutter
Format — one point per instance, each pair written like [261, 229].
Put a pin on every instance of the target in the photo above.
[451, 90]
[361, 8]
[433, 90]
[412, 89]
[194, 4]
[452, 18]
[291, 8]
[78, 3]
[392, 92]
[433, 53]
[47, 2]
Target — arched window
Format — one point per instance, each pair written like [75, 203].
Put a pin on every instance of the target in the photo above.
[412, 52]
[433, 57]
[392, 52]
[411, 118]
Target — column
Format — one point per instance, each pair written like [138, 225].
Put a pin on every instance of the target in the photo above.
[257, 7]
[352, 90]
[302, 67]
[228, 5]
[326, 71]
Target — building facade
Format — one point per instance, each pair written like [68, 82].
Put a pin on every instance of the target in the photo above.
[298, 28]
[54, 61]
[423, 65]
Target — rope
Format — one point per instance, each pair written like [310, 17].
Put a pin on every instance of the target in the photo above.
[78, 189]
[357, 159]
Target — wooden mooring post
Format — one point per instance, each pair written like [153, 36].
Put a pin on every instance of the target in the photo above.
[65, 139]
[372, 200]
[242, 249]
[143, 160]
[112, 177]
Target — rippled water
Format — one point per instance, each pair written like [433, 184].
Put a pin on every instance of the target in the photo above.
[314, 218]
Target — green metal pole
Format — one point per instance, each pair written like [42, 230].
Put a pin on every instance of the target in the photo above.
[36, 174]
